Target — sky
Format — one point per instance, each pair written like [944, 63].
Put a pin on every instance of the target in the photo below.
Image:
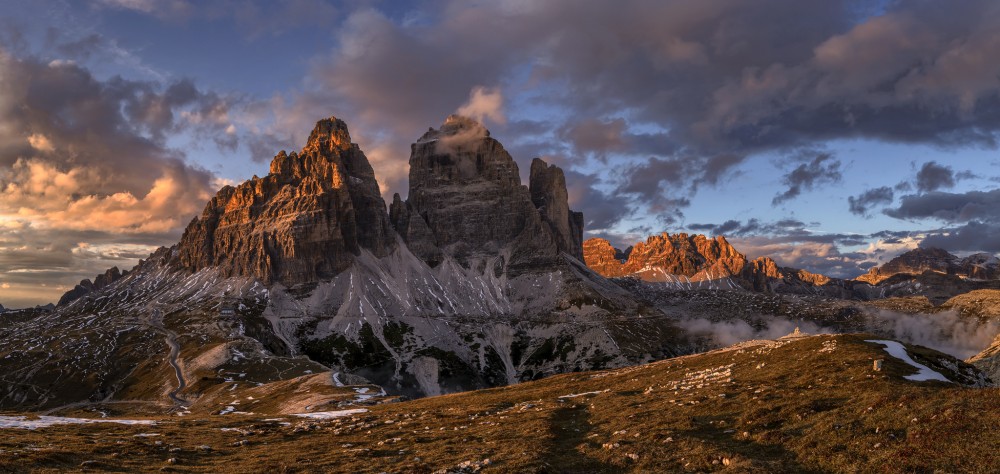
[828, 135]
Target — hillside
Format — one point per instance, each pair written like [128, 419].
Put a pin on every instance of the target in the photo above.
[790, 405]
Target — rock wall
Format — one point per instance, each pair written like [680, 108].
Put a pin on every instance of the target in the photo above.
[303, 222]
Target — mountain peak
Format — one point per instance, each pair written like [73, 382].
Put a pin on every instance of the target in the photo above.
[329, 134]
[456, 128]
[665, 255]
[915, 261]
[305, 221]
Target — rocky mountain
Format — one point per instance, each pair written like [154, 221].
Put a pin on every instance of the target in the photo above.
[304, 222]
[667, 257]
[85, 287]
[685, 261]
[472, 281]
[692, 262]
[981, 266]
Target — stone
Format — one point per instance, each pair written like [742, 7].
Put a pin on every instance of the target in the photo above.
[86, 287]
[467, 189]
[303, 222]
[547, 185]
[694, 256]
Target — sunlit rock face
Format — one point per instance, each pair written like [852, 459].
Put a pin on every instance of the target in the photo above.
[303, 222]
[693, 256]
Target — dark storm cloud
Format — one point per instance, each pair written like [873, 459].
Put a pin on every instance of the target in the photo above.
[974, 236]
[731, 227]
[721, 78]
[933, 177]
[823, 169]
[603, 138]
[861, 204]
[950, 207]
[602, 210]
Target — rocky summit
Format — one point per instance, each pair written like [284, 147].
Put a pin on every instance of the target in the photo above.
[303, 222]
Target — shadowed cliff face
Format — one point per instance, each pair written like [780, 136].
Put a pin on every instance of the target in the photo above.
[466, 201]
[303, 222]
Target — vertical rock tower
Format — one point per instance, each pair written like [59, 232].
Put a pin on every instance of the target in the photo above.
[303, 222]
[466, 201]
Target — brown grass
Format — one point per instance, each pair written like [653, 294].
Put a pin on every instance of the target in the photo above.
[788, 408]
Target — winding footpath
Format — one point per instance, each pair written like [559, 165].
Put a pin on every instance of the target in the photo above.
[175, 348]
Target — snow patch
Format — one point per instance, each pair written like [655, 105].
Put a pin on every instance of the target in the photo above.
[925, 373]
[329, 415]
[23, 422]
[574, 395]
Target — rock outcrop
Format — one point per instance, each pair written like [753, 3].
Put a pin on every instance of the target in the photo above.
[604, 258]
[663, 256]
[466, 202]
[303, 222]
[759, 272]
[989, 360]
[85, 286]
[683, 259]
[547, 185]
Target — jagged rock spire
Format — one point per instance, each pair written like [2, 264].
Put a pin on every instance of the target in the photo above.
[304, 222]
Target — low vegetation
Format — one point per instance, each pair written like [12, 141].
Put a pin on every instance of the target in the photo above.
[811, 404]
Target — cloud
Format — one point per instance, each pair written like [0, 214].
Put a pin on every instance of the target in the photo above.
[861, 204]
[729, 228]
[484, 103]
[974, 236]
[950, 207]
[602, 210]
[86, 160]
[933, 176]
[40, 143]
[947, 331]
[822, 169]
[254, 18]
[662, 83]
[727, 333]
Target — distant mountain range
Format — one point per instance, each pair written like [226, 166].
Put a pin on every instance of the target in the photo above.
[695, 261]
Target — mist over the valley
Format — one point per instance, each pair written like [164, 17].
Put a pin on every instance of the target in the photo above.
[947, 331]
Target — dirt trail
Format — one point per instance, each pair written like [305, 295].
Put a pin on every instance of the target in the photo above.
[175, 348]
